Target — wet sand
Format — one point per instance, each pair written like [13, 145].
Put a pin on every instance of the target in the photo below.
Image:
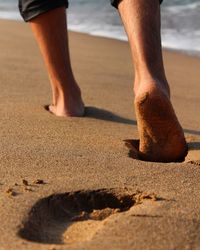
[44, 159]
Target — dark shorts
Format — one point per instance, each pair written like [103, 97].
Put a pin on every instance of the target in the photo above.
[32, 8]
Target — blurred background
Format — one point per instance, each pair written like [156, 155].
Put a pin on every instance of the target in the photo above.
[180, 21]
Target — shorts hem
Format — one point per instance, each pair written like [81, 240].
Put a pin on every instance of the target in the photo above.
[34, 12]
[115, 3]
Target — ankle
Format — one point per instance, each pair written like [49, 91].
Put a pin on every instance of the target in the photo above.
[151, 83]
[66, 87]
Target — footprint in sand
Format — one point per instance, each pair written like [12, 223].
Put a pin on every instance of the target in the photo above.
[75, 217]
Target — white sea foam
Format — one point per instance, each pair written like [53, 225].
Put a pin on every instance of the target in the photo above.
[182, 8]
[176, 41]
[11, 15]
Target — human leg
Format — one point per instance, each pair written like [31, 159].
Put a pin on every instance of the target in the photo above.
[161, 136]
[50, 30]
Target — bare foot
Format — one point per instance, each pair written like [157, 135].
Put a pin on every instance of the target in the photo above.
[68, 104]
[161, 136]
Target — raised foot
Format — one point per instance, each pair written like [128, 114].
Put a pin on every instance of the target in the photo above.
[64, 112]
[161, 136]
[67, 104]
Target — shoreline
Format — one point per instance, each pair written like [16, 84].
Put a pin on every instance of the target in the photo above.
[184, 52]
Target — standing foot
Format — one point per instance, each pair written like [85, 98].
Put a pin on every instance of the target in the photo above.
[161, 136]
[67, 104]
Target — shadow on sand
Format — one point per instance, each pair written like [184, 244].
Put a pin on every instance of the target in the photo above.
[193, 132]
[102, 114]
[194, 145]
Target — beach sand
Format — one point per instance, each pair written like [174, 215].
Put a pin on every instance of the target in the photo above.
[45, 159]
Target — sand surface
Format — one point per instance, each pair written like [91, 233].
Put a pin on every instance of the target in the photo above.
[44, 159]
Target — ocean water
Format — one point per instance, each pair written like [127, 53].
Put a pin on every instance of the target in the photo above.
[180, 21]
